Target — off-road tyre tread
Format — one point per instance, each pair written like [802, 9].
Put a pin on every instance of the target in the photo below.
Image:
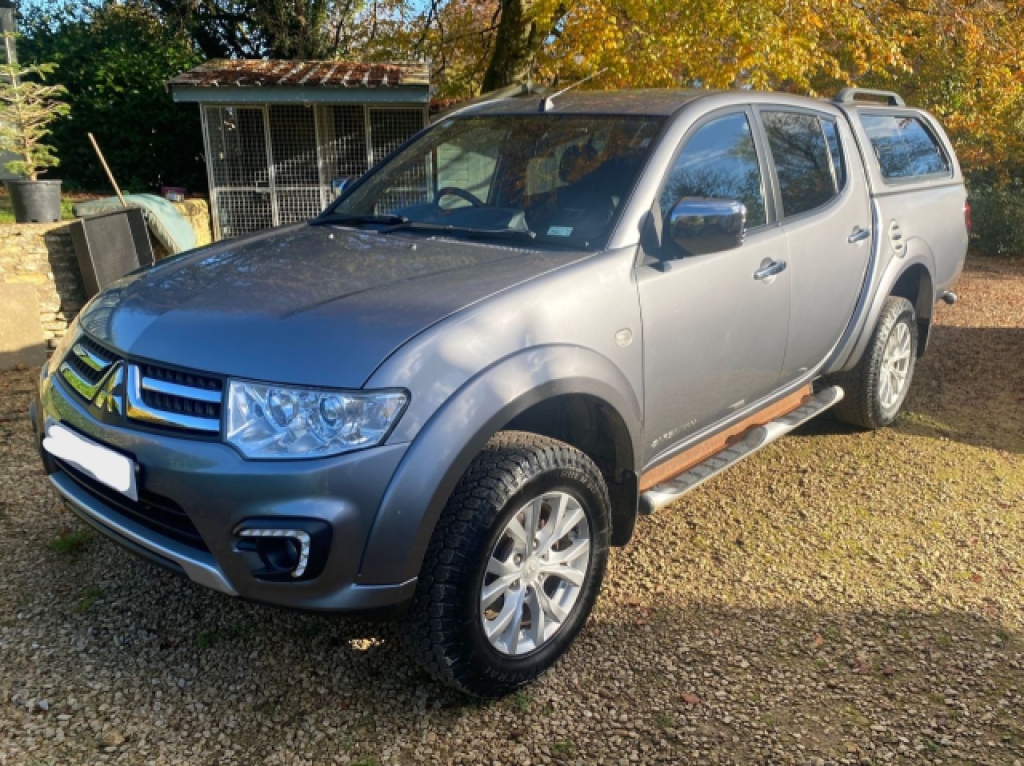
[431, 632]
[860, 405]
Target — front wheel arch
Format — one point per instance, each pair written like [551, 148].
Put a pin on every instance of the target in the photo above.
[457, 432]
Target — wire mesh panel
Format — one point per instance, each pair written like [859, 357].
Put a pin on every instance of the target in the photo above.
[241, 212]
[343, 151]
[276, 164]
[239, 169]
[293, 146]
[389, 129]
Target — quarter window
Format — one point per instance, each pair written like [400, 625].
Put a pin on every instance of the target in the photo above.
[903, 146]
[802, 160]
[835, 149]
[719, 161]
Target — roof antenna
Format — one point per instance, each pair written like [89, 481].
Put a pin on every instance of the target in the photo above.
[547, 103]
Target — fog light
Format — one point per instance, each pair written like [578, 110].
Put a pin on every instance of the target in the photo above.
[284, 550]
[302, 554]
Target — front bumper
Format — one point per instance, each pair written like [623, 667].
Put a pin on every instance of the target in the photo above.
[218, 490]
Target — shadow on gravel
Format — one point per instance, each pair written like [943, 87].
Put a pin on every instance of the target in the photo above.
[968, 388]
[746, 682]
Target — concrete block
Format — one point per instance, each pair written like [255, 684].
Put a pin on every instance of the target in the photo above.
[21, 334]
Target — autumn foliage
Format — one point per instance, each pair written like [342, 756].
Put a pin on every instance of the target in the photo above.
[962, 59]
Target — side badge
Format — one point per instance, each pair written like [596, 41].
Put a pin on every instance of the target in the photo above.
[624, 337]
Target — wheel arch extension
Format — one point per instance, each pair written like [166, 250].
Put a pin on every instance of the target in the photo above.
[910, 277]
[599, 431]
[568, 393]
[916, 284]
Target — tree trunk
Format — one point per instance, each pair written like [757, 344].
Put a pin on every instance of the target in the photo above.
[514, 45]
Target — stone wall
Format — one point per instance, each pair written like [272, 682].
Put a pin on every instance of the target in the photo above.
[42, 255]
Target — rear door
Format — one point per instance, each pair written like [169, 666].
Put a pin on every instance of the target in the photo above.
[825, 210]
[715, 326]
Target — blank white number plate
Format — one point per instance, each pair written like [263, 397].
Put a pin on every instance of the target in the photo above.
[103, 464]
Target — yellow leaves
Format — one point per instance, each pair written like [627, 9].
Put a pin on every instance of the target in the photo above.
[962, 58]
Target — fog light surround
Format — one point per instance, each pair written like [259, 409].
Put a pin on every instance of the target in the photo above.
[296, 534]
[284, 549]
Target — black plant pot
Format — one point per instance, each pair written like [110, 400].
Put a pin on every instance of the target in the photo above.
[34, 201]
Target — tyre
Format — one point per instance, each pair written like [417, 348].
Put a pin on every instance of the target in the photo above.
[877, 387]
[513, 567]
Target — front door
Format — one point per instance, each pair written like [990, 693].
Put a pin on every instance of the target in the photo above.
[714, 325]
[826, 216]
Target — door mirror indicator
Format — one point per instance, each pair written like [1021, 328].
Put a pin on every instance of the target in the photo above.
[699, 226]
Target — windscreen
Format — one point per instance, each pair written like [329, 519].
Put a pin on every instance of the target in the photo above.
[562, 178]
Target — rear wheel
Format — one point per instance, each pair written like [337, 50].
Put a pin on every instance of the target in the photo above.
[514, 566]
[877, 387]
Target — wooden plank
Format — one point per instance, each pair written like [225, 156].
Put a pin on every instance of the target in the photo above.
[698, 453]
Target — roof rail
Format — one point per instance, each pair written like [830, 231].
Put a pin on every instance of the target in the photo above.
[849, 96]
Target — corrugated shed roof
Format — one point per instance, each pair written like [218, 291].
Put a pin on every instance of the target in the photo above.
[218, 73]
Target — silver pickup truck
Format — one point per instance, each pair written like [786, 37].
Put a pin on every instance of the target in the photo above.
[451, 392]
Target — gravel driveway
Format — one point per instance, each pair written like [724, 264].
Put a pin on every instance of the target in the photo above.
[842, 597]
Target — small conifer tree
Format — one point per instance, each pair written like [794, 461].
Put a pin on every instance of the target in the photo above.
[27, 107]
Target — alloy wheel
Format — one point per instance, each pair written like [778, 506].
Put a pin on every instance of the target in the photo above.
[535, 573]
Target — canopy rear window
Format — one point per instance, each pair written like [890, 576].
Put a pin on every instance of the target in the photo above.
[904, 146]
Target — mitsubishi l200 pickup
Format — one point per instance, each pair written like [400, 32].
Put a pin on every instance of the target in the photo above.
[447, 395]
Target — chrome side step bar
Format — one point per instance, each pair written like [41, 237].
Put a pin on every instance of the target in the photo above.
[665, 494]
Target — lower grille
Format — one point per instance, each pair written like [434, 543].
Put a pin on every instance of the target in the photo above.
[155, 512]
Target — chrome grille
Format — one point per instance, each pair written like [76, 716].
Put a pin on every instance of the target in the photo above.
[154, 395]
[164, 397]
[85, 366]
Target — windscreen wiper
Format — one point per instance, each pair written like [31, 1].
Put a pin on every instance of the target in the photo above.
[388, 219]
[468, 231]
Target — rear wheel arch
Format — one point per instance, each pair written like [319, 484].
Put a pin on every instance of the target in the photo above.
[917, 286]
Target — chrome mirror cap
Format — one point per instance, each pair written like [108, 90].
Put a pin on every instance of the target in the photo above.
[699, 225]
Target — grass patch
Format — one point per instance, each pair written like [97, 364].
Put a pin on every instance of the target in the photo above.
[71, 544]
[563, 750]
[88, 598]
[521, 701]
[7, 212]
[666, 721]
[209, 639]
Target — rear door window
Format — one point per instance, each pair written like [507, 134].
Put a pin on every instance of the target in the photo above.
[903, 146]
[802, 160]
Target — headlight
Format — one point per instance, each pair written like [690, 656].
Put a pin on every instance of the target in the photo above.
[268, 421]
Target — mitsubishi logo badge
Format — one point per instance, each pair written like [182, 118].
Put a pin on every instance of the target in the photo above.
[110, 396]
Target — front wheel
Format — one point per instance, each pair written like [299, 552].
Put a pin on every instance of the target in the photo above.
[877, 387]
[513, 568]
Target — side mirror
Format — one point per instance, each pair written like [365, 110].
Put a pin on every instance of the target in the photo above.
[700, 225]
[338, 185]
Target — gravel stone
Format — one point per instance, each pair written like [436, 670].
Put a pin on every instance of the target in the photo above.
[841, 598]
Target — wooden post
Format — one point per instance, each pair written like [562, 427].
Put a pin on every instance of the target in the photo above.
[106, 167]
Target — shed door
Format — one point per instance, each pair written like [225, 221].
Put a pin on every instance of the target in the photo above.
[295, 164]
[239, 169]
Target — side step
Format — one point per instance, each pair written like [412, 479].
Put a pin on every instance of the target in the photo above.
[665, 494]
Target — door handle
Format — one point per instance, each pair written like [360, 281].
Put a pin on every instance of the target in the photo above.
[858, 235]
[773, 268]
